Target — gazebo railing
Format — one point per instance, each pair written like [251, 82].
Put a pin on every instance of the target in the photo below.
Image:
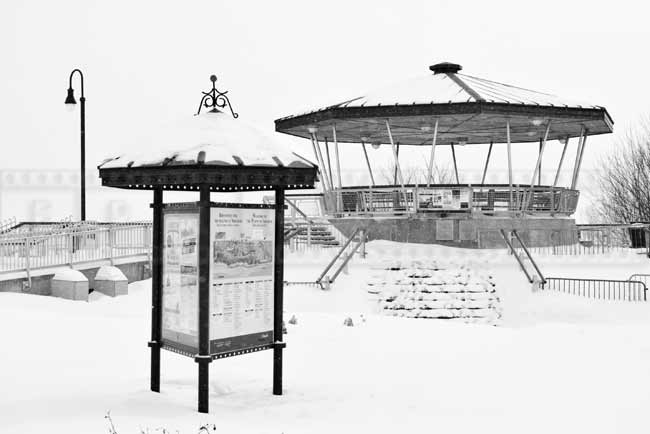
[454, 198]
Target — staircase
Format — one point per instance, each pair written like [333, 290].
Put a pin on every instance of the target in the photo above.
[310, 234]
[435, 290]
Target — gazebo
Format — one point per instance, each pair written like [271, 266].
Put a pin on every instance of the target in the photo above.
[447, 108]
[217, 268]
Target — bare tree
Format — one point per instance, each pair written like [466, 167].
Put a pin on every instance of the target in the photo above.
[415, 174]
[624, 179]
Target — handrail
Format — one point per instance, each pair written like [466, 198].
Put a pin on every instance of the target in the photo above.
[603, 289]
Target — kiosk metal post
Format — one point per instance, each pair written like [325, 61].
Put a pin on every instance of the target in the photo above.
[278, 291]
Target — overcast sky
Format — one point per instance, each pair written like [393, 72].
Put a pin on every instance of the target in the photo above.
[146, 62]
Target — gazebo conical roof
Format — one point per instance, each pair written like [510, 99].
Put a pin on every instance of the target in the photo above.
[469, 110]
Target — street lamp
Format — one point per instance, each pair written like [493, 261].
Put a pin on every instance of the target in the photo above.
[70, 103]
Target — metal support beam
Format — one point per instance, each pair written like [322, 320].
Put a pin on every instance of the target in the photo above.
[487, 161]
[433, 153]
[365, 153]
[510, 206]
[397, 167]
[559, 166]
[582, 154]
[336, 155]
[539, 173]
[329, 161]
[578, 151]
[319, 156]
[537, 167]
[453, 156]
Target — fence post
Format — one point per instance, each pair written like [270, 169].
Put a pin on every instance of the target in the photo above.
[110, 245]
[27, 262]
[70, 242]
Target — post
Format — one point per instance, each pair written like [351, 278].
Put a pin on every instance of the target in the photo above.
[539, 172]
[397, 168]
[156, 288]
[510, 207]
[433, 153]
[329, 160]
[487, 161]
[559, 167]
[453, 155]
[278, 291]
[365, 153]
[582, 153]
[203, 359]
[82, 100]
[538, 165]
[339, 198]
[321, 166]
[578, 150]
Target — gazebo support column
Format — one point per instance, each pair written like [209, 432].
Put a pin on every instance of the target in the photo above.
[510, 204]
[338, 169]
[453, 156]
[559, 166]
[329, 160]
[321, 167]
[203, 359]
[156, 289]
[581, 153]
[278, 291]
[487, 161]
[538, 165]
[397, 167]
[365, 154]
[433, 153]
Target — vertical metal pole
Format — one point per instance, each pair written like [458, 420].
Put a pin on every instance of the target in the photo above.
[582, 153]
[204, 358]
[336, 155]
[396, 164]
[396, 156]
[510, 206]
[156, 288]
[365, 153]
[329, 160]
[559, 167]
[578, 150]
[433, 153]
[539, 173]
[537, 167]
[83, 157]
[326, 180]
[487, 161]
[278, 292]
[453, 155]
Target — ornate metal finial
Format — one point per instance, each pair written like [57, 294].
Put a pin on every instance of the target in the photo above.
[216, 98]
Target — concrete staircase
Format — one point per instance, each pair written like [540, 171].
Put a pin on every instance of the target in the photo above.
[435, 290]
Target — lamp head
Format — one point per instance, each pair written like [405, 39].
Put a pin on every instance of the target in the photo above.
[70, 102]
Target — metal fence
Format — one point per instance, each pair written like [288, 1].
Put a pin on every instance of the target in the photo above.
[73, 245]
[626, 290]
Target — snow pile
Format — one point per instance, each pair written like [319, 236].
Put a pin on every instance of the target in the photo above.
[431, 289]
[70, 275]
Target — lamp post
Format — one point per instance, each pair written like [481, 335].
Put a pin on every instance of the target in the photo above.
[70, 104]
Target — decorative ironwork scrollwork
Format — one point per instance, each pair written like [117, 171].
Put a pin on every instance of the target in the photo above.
[216, 100]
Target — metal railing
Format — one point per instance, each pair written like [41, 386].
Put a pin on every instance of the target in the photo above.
[645, 278]
[626, 290]
[74, 245]
[484, 199]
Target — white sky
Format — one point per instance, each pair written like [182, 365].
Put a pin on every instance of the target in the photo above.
[145, 63]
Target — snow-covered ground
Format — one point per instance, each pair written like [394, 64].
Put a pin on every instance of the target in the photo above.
[556, 363]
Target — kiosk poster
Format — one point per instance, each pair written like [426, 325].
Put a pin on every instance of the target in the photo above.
[241, 278]
[443, 198]
[180, 280]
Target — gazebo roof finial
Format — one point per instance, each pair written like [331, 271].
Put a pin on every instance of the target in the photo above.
[215, 99]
